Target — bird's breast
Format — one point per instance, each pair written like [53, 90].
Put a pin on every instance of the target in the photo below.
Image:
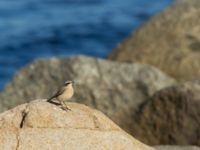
[66, 95]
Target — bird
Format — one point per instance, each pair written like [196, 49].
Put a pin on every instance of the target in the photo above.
[64, 94]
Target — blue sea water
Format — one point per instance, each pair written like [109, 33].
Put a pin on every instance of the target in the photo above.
[31, 29]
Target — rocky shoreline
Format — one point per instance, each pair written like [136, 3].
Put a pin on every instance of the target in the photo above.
[149, 87]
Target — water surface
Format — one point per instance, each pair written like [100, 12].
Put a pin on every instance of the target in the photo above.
[33, 29]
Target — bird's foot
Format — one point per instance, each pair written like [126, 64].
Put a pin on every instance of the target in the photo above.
[66, 108]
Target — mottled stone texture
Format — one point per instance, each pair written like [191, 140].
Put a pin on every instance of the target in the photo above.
[169, 41]
[114, 88]
[170, 116]
[41, 125]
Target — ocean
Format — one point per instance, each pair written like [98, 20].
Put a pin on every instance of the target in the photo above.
[32, 29]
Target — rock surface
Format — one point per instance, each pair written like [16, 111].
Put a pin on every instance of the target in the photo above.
[169, 41]
[164, 147]
[41, 125]
[114, 88]
[171, 116]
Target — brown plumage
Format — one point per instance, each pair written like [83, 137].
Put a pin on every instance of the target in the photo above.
[64, 94]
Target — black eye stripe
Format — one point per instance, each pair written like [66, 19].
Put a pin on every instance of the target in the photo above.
[68, 82]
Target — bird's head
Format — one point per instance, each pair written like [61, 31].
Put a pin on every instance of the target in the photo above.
[68, 82]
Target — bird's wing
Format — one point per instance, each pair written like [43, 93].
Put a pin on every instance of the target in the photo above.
[57, 94]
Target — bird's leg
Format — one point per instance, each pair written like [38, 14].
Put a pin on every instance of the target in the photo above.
[64, 106]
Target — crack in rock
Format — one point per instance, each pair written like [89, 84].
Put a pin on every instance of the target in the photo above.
[96, 121]
[17, 137]
[24, 114]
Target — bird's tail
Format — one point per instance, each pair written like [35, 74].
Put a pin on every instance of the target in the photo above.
[49, 99]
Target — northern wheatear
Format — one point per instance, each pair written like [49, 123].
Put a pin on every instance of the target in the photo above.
[64, 94]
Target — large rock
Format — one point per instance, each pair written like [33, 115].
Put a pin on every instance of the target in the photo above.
[169, 41]
[114, 88]
[168, 147]
[171, 116]
[41, 125]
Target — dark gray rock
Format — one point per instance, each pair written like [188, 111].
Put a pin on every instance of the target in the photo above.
[165, 147]
[170, 116]
[114, 88]
[170, 41]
